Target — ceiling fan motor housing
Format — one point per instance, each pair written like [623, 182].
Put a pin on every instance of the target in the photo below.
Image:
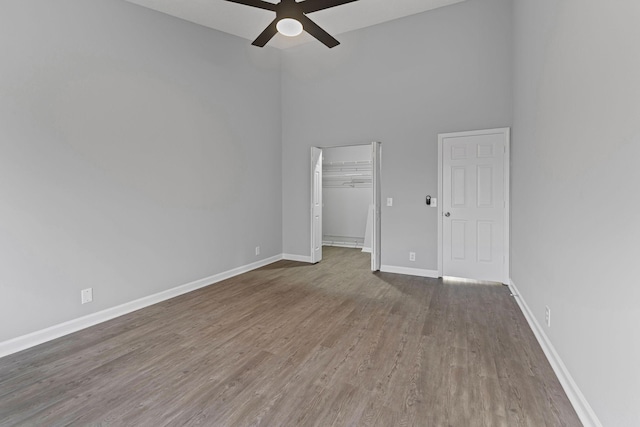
[289, 9]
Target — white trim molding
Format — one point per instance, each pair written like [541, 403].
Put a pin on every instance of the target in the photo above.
[24, 342]
[409, 271]
[344, 245]
[579, 402]
[299, 258]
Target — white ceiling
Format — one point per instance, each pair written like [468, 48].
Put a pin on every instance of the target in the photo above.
[248, 22]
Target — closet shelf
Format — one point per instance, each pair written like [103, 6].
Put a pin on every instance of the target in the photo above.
[351, 180]
[356, 166]
[339, 176]
[347, 184]
[352, 163]
[354, 174]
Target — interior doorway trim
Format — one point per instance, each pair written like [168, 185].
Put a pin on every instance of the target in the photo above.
[376, 157]
[507, 133]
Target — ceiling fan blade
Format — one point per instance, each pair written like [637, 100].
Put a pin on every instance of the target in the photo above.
[267, 34]
[317, 32]
[310, 6]
[256, 3]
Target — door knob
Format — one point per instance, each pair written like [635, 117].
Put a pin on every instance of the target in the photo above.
[447, 214]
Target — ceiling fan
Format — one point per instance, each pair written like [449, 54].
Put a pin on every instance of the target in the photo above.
[291, 19]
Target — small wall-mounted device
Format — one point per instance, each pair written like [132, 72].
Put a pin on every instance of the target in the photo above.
[432, 201]
[428, 200]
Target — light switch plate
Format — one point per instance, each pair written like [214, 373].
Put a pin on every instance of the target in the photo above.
[389, 201]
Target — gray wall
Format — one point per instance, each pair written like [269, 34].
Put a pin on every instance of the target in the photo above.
[575, 190]
[402, 83]
[138, 152]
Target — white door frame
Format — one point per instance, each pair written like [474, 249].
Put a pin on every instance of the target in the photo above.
[376, 162]
[316, 186]
[507, 250]
[376, 158]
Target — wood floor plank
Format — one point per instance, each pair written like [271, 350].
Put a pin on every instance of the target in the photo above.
[294, 344]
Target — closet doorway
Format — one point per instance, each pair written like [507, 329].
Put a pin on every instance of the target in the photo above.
[345, 199]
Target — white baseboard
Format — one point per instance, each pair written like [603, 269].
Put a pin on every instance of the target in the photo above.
[343, 245]
[409, 271]
[17, 344]
[300, 258]
[366, 249]
[579, 402]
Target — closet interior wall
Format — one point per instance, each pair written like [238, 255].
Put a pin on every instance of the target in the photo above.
[347, 195]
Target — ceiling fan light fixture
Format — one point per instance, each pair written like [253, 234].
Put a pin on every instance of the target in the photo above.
[291, 19]
[289, 27]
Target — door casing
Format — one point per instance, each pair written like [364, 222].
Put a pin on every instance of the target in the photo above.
[316, 204]
[376, 156]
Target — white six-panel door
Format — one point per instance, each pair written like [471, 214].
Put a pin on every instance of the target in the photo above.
[474, 215]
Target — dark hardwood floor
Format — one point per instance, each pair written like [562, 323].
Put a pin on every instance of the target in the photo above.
[293, 344]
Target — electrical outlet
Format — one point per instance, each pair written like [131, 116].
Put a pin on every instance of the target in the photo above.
[412, 256]
[547, 316]
[257, 250]
[86, 295]
[389, 201]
